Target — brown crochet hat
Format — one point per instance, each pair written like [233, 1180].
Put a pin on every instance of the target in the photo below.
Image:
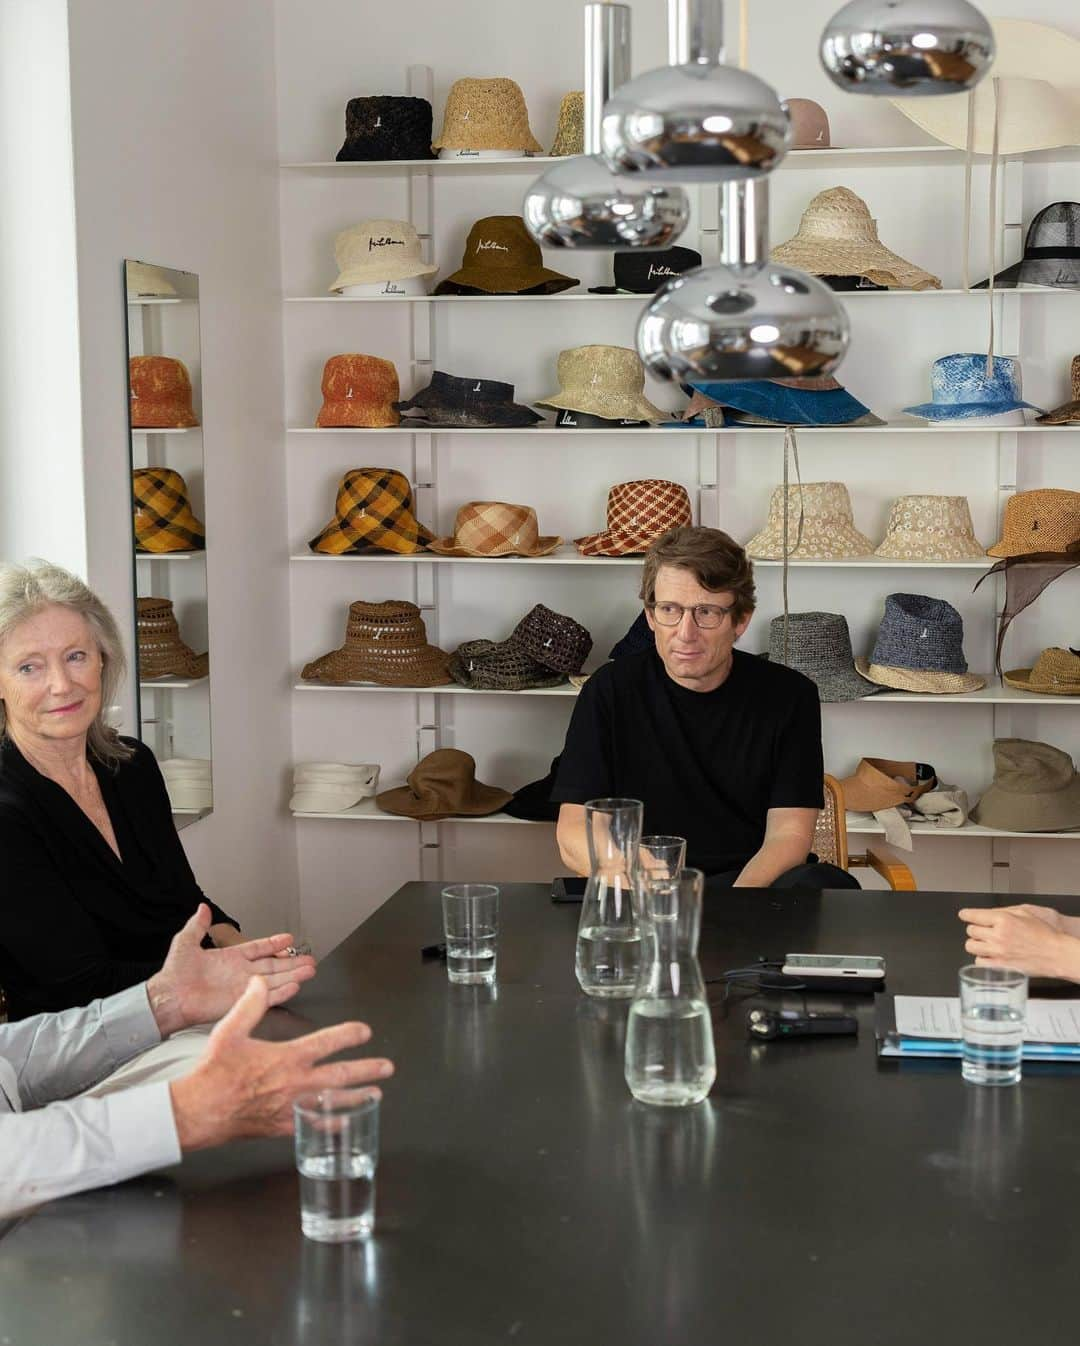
[1069, 412]
[1045, 520]
[160, 393]
[359, 392]
[161, 651]
[501, 257]
[497, 666]
[486, 114]
[570, 133]
[495, 528]
[1056, 672]
[443, 785]
[551, 639]
[385, 643]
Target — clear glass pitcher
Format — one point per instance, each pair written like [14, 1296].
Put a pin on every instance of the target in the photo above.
[670, 1055]
[608, 942]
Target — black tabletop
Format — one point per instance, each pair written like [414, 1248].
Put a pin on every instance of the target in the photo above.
[818, 1196]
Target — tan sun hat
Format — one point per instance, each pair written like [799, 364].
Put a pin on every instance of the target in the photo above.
[570, 133]
[1045, 520]
[837, 236]
[1035, 789]
[495, 528]
[376, 250]
[605, 381]
[827, 531]
[930, 528]
[385, 643]
[1055, 672]
[1069, 412]
[486, 114]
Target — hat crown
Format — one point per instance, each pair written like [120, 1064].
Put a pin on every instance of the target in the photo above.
[158, 376]
[823, 500]
[809, 124]
[944, 515]
[376, 240]
[482, 524]
[362, 484]
[818, 640]
[1025, 766]
[570, 132]
[921, 633]
[1046, 519]
[636, 506]
[146, 481]
[462, 392]
[444, 778]
[957, 380]
[390, 626]
[364, 378]
[552, 639]
[1055, 227]
[486, 114]
[1056, 667]
[839, 213]
[614, 367]
[1074, 377]
[501, 241]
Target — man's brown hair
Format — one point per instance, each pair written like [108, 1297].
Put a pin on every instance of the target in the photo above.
[715, 560]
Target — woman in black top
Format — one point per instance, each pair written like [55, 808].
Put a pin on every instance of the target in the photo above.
[93, 880]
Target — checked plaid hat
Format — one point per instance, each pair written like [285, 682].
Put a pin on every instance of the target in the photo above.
[164, 521]
[374, 510]
[638, 512]
[495, 528]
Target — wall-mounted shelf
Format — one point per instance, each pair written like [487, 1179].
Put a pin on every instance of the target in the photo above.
[843, 295]
[452, 689]
[176, 430]
[147, 301]
[172, 684]
[569, 557]
[890, 428]
[170, 556]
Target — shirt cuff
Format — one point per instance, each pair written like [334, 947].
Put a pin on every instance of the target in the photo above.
[141, 1130]
[129, 1024]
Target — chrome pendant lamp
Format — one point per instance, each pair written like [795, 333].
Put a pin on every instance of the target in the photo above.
[907, 48]
[580, 202]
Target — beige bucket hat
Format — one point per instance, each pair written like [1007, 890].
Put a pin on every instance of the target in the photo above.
[838, 236]
[376, 250]
[930, 528]
[570, 132]
[1056, 672]
[495, 528]
[486, 114]
[1035, 789]
[827, 531]
[1069, 413]
[606, 381]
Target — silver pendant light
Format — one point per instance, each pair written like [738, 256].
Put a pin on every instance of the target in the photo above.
[580, 202]
[907, 48]
[695, 120]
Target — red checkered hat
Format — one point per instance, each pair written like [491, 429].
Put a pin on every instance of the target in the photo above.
[638, 512]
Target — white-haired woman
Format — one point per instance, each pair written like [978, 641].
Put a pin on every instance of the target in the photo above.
[93, 880]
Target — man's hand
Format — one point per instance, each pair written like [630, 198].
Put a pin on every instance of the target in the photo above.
[1027, 938]
[197, 985]
[246, 1087]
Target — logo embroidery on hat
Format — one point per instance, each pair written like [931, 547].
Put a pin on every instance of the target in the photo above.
[569, 420]
[660, 271]
[489, 245]
[820, 135]
[348, 392]
[391, 287]
[477, 388]
[924, 634]
[385, 242]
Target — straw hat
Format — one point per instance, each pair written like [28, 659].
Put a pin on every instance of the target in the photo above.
[1055, 672]
[880, 783]
[332, 787]
[961, 389]
[502, 257]
[443, 785]
[607, 381]
[551, 639]
[570, 132]
[1069, 412]
[486, 114]
[838, 237]
[386, 127]
[148, 282]
[161, 651]
[638, 512]
[1035, 789]
[164, 519]
[384, 643]
[497, 666]
[494, 528]
[819, 646]
[375, 250]
[827, 531]
[809, 124]
[920, 648]
[160, 393]
[450, 401]
[359, 391]
[1046, 520]
[930, 528]
[374, 509]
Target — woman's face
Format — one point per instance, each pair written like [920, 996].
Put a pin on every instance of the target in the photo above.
[50, 676]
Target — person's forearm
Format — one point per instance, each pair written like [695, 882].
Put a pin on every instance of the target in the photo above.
[773, 859]
[574, 850]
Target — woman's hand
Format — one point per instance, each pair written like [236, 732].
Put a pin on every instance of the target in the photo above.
[1028, 938]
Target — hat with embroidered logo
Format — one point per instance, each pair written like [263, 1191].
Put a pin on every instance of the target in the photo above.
[638, 512]
[961, 389]
[920, 648]
[497, 666]
[376, 250]
[930, 528]
[1056, 672]
[502, 257]
[809, 124]
[385, 643]
[551, 639]
[486, 114]
[164, 519]
[1043, 520]
[1051, 251]
[821, 525]
[160, 393]
[443, 785]
[639, 272]
[880, 783]
[1035, 788]
[605, 381]
[161, 651]
[1069, 412]
[819, 646]
[466, 403]
[570, 132]
[495, 528]
[385, 127]
[374, 510]
[359, 392]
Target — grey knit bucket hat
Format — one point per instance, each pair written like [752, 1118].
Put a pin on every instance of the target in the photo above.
[819, 645]
[920, 648]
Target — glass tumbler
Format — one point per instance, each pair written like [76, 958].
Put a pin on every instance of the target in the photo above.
[470, 928]
[993, 1009]
[337, 1153]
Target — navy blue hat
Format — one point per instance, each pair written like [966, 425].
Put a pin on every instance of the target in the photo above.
[639, 637]
[920, 648]
[787, 403]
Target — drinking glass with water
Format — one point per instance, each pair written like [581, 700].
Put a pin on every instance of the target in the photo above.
[470, 928]
[608, 948]
[993, 1010]
[337, 1153]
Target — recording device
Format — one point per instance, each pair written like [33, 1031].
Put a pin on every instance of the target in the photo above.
[773, 1024]
[568, 889]
[808, 966]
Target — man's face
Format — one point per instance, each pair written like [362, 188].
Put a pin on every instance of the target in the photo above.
[694, 657]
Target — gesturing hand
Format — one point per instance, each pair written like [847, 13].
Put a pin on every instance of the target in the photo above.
[245, 1087]
[1027, 938]
[197, 985]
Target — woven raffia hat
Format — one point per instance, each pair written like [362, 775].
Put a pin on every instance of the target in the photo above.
[480, 403]
[819, 645]
[1055, 672]
[838, 236]
[1035, 789]
[638, 512]
[607, 381]
[1051, 251]
[551, 639]
[385, 643]
[376, 250]
[443, 785]
[495, 528]
[161, 651]
[160, 393]
[374, 509]
[502, 257]
[1069, 413]
[1045, 520]
[497, 666]
[148, 282]
[960, 389]
[570, 132]
[164, 519]
[821, 525]
[359, 392]
[386, 127]
[486, 114]
[930, 528]
[920, 648]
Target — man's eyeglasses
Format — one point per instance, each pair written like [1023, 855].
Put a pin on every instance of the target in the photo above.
[707, 616]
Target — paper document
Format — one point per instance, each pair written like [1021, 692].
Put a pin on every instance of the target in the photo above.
[938, 1016]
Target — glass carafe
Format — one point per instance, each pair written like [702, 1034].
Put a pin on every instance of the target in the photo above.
[608, 943]
[670, 1056]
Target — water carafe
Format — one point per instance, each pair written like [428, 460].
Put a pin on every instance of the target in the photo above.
[670, 1056]
[608, 943]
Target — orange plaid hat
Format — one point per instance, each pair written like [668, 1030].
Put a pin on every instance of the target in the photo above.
[374, 509]
[494, 528]
[164, 521]
[638, 512]
[359, 392]
[160, 393]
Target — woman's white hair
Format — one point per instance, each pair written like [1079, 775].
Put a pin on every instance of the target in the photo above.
[27, 590]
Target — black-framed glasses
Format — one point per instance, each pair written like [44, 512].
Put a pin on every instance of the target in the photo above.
[708, 616]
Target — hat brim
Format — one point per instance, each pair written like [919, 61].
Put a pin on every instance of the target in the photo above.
[480, 414]
[335, 541]
[344, 667]
[609, 543]
[845, 543]
[918, 680]
[610, 406]
[1067, 414]
[835, 257]
[938, 411]
[496, 280]
[786, 406]
[834, 684]
[351, 416]
[446, 546]
[1040, 811]
[349, 154]
[484, 800]
[372, 275]
[1046, 273]
[905, 545]
[1020, 678]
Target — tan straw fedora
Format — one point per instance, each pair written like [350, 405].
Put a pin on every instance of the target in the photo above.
[605, 381]
[162, 653]
[570, 132]
[376, 250]
[1069, 412]
[821, 525]
[930, 528]
[495, 528]
[486, 114]
[1056, 672]
[1035, 789]
[385, 643]
[1044, 520]
[443, 785]
[837, 236]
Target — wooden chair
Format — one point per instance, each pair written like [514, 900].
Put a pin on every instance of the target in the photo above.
[830, 844]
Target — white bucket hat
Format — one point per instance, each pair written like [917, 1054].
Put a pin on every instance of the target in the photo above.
[377, 250]
[332, 787]
[188, 782]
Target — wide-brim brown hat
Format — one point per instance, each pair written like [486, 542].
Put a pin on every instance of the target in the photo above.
[1056, 672]
[606, 381]
[570, 132]
[443, 785]
[164, 519]
[495, 528]
[838, 236]
[1035, 789]
[385, 643]
[918, 680]
[502, 257]
[359, 392]
[498, 666]
[1069, 412]
[486, 114]
[374, 509]
[1043, 520]
[638, 512]
[161, 397]
[161, 651]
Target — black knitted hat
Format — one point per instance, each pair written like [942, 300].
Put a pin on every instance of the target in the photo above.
[386, 127]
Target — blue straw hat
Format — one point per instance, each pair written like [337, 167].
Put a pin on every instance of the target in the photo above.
[961, 389]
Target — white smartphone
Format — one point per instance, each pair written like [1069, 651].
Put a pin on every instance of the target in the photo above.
[834, 965]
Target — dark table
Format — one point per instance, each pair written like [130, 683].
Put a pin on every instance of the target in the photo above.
[523, 1197]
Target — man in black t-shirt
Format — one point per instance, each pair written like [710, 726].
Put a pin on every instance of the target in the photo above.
[723, 748]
